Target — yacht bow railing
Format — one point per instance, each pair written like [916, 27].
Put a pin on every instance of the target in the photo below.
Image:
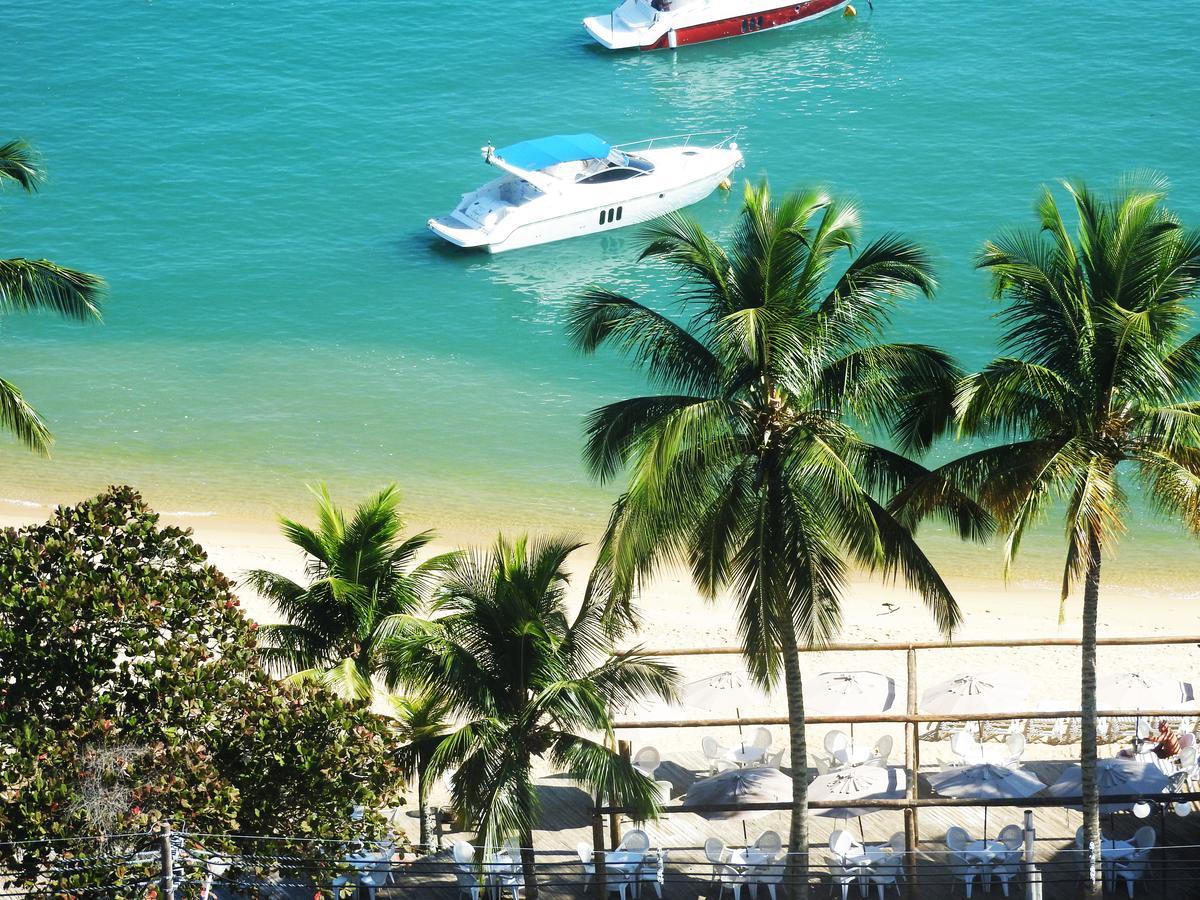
[727, 137]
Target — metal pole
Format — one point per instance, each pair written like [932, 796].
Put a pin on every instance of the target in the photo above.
[1033, 878]
[167, 855]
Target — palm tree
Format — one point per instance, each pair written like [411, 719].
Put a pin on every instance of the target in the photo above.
[526, 680]
[747, 465]
[363, 580]
[1098, 382]
[422, 721]
[37, 284]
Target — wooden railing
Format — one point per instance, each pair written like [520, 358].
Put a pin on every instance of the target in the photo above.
[910, 719]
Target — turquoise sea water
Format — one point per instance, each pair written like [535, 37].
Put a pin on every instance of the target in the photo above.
[253, 179]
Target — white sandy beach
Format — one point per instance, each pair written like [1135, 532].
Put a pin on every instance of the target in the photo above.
[674, 616]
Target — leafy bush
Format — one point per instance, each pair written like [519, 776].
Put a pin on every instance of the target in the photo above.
[130, 693]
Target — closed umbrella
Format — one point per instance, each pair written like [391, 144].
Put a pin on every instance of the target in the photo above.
[859, 783]
[986, 781]
[764, 784]
[1113, 776]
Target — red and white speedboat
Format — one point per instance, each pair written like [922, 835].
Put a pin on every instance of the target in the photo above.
[654, 24]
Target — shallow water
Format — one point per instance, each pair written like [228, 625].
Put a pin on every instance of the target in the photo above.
[253, 180]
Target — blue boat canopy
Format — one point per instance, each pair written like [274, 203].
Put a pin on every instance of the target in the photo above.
[558, 148]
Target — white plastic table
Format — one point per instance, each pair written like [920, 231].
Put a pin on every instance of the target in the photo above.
[744, 859]
[1110, 852]
[746, 755]
[631, 863]
[852, 755]
[987, 852]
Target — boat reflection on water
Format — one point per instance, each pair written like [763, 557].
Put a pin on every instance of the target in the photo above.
[744, 79]
[549, 277]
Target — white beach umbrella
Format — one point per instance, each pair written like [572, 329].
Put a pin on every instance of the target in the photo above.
[714, 692]
[986, 781]
[974, 693]
[1114, 776]
[1140, 690]
[849, 693]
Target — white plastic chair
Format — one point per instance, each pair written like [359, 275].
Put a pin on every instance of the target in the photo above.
[842, 842]
[965, 747]
[836, 742]
[768, 842]
[647, 761]
[885, 873]
[762, 738]
[768, 874]
[1014, 749]
[1132, 868]
[587, 859]
[837, 745]
[714, 754]
[730, 880]
[635, 841]
[843, 874]
[654, 870]
[468, 883]
[464, 853]
[821, 763]
[377, 873]
[775, 759]
[465, 873]
[881, 752]
[715, 853]
[1008, 866]
[962, 866]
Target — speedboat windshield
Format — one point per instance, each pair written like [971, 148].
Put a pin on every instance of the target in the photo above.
[618, 166]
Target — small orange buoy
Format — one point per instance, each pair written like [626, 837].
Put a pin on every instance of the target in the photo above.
[849, 11]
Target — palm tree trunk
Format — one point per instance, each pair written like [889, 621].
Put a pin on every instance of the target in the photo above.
[529, 865]
[424, 826]
[796, 874]
[1087, 752]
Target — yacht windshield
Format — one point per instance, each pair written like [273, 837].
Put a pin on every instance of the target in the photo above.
[618, 167]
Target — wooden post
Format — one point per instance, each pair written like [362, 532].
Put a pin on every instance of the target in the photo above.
[912, 761]
[600, 880]
[167, 858]
[614, 819]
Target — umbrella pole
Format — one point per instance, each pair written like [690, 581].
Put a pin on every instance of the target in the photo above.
[861, 835]
[745, 835]
[985, 815]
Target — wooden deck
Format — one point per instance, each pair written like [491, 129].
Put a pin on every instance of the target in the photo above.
[567, 822]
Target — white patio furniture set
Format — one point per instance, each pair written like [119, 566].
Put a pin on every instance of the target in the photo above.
[866, 866]
[985, 861]
[1121, 862]
[760, 864]
[630, 866]
[755, 752]
[842, 753]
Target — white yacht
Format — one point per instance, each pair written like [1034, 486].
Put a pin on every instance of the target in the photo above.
[659, 24]
[574, 184]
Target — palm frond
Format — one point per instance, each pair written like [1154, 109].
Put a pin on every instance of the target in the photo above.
[22, 421]
[38, 284]
[19, 163]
